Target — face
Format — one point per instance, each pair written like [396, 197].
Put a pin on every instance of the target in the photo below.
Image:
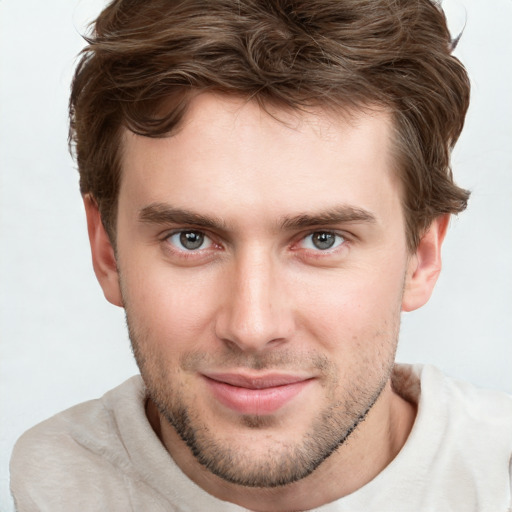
[262, 265]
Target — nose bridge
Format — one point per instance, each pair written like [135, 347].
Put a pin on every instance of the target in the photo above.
[254, 312]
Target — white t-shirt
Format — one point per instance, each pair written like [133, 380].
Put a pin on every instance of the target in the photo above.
[103, 455]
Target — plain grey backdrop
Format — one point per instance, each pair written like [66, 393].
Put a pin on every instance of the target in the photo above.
[62, 343]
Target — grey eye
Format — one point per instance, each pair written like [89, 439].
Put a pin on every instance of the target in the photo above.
[322, 240]
[189, 240]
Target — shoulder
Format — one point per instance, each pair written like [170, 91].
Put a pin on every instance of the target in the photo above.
[464, 436]
[428, 387]
[82, 428]
[465, 402]
[459, 451]
[472, 424]
[67, 449]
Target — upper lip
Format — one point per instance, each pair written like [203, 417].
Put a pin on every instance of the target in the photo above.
[268, 380]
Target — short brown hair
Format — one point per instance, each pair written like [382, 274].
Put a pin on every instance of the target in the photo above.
[294, 53]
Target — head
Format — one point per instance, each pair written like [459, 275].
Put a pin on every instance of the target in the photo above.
[267, 186]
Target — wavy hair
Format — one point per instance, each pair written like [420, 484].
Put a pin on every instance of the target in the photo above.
[145, 61]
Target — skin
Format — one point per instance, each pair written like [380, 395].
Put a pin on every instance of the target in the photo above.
[258, 299]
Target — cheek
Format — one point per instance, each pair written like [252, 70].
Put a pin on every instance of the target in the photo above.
[170, 308]
[351, 311]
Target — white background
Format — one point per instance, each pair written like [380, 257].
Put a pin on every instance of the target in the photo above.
[62, 343]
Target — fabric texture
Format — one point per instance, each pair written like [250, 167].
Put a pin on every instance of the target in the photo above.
[104, 455]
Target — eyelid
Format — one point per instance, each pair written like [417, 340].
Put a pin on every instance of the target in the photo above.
[169, 234]
[296, 245]
[338, 240]
[346, 239]
[173, 231]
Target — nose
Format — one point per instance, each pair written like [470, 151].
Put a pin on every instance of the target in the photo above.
[255, 311]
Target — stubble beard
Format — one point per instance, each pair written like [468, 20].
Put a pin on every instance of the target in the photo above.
[284, 462]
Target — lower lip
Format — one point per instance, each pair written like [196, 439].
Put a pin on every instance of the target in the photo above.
[255, 401]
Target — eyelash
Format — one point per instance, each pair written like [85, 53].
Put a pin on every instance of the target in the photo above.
[341, 240]
[338, 241]
[205, 237]
[183, 252]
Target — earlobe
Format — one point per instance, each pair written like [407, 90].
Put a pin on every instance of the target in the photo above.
[103, 256]
[425, 266]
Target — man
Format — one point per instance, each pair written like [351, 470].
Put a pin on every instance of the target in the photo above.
[267, 186]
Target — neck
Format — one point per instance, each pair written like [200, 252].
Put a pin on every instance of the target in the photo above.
[368, 450]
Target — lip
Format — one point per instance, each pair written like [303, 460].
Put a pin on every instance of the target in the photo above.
[256, 395]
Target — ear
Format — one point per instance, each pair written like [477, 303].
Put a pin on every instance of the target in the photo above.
[103, 256]
[425, 265]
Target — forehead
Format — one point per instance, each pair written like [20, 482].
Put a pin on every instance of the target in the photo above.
[232, 156]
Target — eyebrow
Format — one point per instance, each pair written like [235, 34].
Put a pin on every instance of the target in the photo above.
[338, 215]
[161, 213]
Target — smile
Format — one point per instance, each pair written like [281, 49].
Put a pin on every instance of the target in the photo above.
[264, 394]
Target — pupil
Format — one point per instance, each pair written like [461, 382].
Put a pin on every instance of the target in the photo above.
[323, 240]
[191, 239]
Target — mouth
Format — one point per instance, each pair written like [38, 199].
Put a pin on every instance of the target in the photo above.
[255, 395]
